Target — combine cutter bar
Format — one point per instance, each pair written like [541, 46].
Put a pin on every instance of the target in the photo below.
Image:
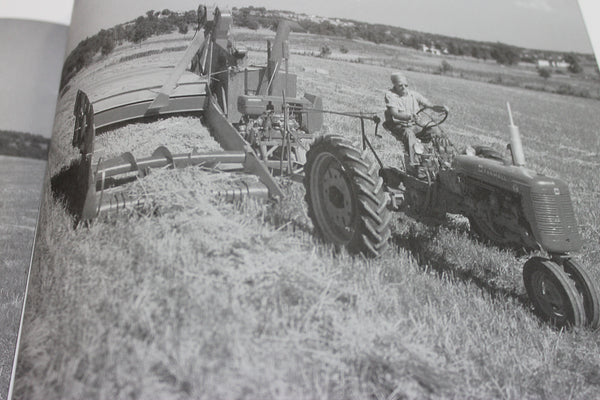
[100, 198]
[118, 201]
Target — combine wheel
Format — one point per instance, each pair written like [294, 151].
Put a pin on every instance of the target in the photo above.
[346, 199]
[587, 289]
[553, 293]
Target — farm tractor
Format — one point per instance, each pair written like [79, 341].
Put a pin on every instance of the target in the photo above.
[507, 205]
[265, 130]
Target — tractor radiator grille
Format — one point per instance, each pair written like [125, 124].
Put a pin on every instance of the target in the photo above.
[554, 214]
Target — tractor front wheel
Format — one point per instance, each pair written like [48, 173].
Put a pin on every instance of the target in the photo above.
[346, 199]
[553, 293]
[587, 289]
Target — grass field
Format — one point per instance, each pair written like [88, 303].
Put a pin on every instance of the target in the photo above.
[196, 298]
[20, 190]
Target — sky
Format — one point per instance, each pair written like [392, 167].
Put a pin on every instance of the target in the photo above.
[30, 64]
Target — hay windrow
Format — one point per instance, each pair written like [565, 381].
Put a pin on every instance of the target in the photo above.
[178, 134]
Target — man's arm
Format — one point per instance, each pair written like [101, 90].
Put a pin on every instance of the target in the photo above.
[423, 102]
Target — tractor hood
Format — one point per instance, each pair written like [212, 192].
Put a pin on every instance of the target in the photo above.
[494, 171]
[546, 201]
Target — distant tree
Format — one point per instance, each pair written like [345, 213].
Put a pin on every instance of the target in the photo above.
[107, 41]
[445, 67]
[343, 49]
[141, 30]
[573, 61]
[413, 42]
[504, 54]
[482, 52]
[325, 51]
[252, 24]
[452, 48]
[182, 28]
[545, 73]
[120, 34]
[190, 17]
[166, 12]
[528, 58]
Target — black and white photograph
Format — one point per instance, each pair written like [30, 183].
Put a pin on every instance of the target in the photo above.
[341, 200]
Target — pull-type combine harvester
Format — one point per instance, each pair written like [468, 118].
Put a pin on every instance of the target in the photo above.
[252, 112]
[265, 130]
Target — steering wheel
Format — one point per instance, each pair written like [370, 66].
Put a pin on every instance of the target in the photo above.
[432, 117]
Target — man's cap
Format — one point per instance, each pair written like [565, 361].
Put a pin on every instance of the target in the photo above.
[398, 77]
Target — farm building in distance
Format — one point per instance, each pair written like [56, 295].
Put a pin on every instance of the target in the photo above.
[552, 64]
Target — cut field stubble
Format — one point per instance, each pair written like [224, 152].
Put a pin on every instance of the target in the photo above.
[200, 299]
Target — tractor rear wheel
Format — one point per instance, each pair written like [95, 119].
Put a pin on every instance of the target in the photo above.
[587, 289]
[346, 199]
[553, 293]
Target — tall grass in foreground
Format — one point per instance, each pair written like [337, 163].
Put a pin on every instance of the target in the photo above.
[195, 298]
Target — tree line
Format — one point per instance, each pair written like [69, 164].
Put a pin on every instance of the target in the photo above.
[136, 31]
[256, 17]
[21, 144]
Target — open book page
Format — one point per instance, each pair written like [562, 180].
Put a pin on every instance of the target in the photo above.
[32, 53]
[351, 210]
[591, 15]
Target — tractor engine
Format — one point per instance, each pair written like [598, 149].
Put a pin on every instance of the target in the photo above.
[280, 140]
[267, 136]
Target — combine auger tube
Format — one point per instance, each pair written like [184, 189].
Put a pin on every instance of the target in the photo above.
[94, 184]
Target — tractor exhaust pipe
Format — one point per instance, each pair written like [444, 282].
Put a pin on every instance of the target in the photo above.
[516, 147]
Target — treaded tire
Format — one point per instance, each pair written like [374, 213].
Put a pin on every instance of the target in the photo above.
[346, 199]
[587, 288]
[553, 293]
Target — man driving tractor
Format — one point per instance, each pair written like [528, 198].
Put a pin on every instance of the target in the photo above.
[401, 114]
